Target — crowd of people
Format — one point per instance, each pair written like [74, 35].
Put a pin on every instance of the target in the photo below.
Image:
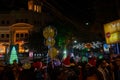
[94, 69]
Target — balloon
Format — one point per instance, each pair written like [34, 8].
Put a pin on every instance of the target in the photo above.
[52, 52]
[48, 32]
[50, 42]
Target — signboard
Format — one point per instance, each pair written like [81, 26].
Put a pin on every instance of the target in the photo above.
[112, 32]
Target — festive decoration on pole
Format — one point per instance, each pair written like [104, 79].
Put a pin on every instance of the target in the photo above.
[52, 52]
[49, 34]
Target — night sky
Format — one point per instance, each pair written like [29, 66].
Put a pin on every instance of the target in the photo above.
[90, 15]
[88, 10]
[79, 11]
[12, 4]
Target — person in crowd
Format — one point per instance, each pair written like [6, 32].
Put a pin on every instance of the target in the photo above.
[7, 73]
[92, 73]
[117, 68]
[103, 72]
[27, 73]
[15, 69]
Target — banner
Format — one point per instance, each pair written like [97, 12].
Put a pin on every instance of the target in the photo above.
[112, 32]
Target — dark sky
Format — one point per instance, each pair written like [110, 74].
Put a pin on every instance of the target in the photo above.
[12, 4]
[85, 11]
[89, 15]
[88, 10]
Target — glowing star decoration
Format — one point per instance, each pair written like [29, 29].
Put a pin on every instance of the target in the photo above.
[13, 55]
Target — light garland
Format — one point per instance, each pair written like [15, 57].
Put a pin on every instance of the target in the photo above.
[93, 45]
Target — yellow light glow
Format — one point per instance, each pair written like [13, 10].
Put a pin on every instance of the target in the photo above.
[35, 7]
[2, 49]
[115, 37]
[112, 26]
[112, 32]
[30, 5]
[21, 49]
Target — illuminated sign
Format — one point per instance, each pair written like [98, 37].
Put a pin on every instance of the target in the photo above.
[112, 32]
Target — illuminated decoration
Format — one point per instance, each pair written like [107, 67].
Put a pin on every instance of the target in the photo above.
[112, 32]
[82, 46]
[75, 41]
[88, 45]
[48, 32]
[52, 52]
[60, 40]
[50, 42]
[106, 48]
[64, 54]
[19, 34]
[13, 55]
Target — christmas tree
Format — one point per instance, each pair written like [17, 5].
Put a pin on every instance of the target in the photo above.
[13, 55]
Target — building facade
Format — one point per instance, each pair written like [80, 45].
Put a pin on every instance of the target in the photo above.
[16, 25]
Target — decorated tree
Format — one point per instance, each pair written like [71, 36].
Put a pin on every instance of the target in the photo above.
[13, 55]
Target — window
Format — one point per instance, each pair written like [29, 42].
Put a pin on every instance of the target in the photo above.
[21, 35]
[26, 20]
[17, 20]
[3, 22]
[17, 35]
[7, 22]
[2, 35]
[26, 35]
[7, 35]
